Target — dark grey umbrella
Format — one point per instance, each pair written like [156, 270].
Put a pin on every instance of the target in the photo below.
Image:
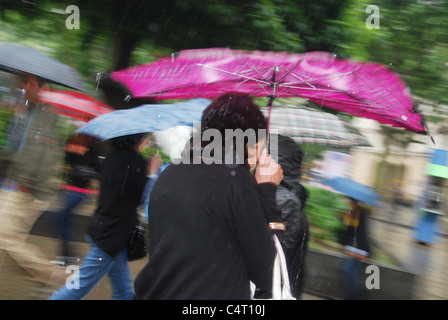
[16, 58]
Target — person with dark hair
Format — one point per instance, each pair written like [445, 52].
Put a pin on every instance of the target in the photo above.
[122, 182]
[211, 223]
[291, 198]
[30, 191]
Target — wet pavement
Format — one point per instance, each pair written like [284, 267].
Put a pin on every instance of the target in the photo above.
[394, 232]
[16, 284]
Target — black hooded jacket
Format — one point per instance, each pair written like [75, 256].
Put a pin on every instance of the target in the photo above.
[291, 197]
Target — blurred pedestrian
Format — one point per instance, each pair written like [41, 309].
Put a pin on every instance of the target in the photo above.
[122, 182]
[84, 165]
[357, 247]
[208, 220]
[29, 190]
[291, 199]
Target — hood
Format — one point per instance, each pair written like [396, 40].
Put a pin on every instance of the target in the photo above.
[289, 156]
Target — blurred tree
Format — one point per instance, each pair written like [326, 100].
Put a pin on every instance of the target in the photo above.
[183, 24]
[412, 40]
[318, 23]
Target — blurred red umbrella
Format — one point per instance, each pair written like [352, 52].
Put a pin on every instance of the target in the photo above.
[74, 104]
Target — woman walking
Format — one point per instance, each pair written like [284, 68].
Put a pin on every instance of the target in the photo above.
[209, 217]
[121, 185]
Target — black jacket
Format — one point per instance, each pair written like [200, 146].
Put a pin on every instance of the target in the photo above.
[291, 198]
[83, 168]
[121, 185]
[208, 235]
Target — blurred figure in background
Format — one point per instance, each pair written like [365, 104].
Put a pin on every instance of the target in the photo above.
[16, 105]
[122, 181]
[29, 191]
[84, 165]
[357, 247]
[291, 198]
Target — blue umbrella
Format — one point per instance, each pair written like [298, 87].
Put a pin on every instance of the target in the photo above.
[146, 118]
[354, 190]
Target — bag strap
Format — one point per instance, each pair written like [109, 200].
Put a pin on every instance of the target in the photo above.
[281, 285]
[281, 288]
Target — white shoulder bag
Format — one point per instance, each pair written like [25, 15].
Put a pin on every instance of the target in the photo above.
[281, 289]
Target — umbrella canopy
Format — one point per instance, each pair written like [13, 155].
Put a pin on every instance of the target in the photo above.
[308, 126]
[74, 104]
[146, 118]
[16, 58]
[367, 90]
[353, 190]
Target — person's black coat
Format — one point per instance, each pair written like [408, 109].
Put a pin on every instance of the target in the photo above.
[121, 185]
[291, 198]
[83, 168]
[208, 235]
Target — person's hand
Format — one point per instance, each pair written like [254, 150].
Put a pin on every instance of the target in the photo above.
[156, 162]
[20, 110]
[268, 170]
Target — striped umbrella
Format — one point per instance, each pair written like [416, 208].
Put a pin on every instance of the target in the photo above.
[74, 104]
[308, 126]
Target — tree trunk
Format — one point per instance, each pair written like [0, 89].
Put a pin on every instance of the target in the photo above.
[124, 44]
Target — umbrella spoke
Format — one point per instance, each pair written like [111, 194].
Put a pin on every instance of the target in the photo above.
[235, 74]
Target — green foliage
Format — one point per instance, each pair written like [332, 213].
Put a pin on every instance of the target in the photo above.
[5, 116]
[324, 210]
[149, 152]
[412, 38]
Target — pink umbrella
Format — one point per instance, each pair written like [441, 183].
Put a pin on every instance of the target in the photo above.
[368, 90]
[74, 104]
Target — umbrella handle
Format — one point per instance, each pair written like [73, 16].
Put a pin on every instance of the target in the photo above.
[271, 100]
[270, 105]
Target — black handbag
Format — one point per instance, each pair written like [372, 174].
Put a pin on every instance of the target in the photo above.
[137, 243]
